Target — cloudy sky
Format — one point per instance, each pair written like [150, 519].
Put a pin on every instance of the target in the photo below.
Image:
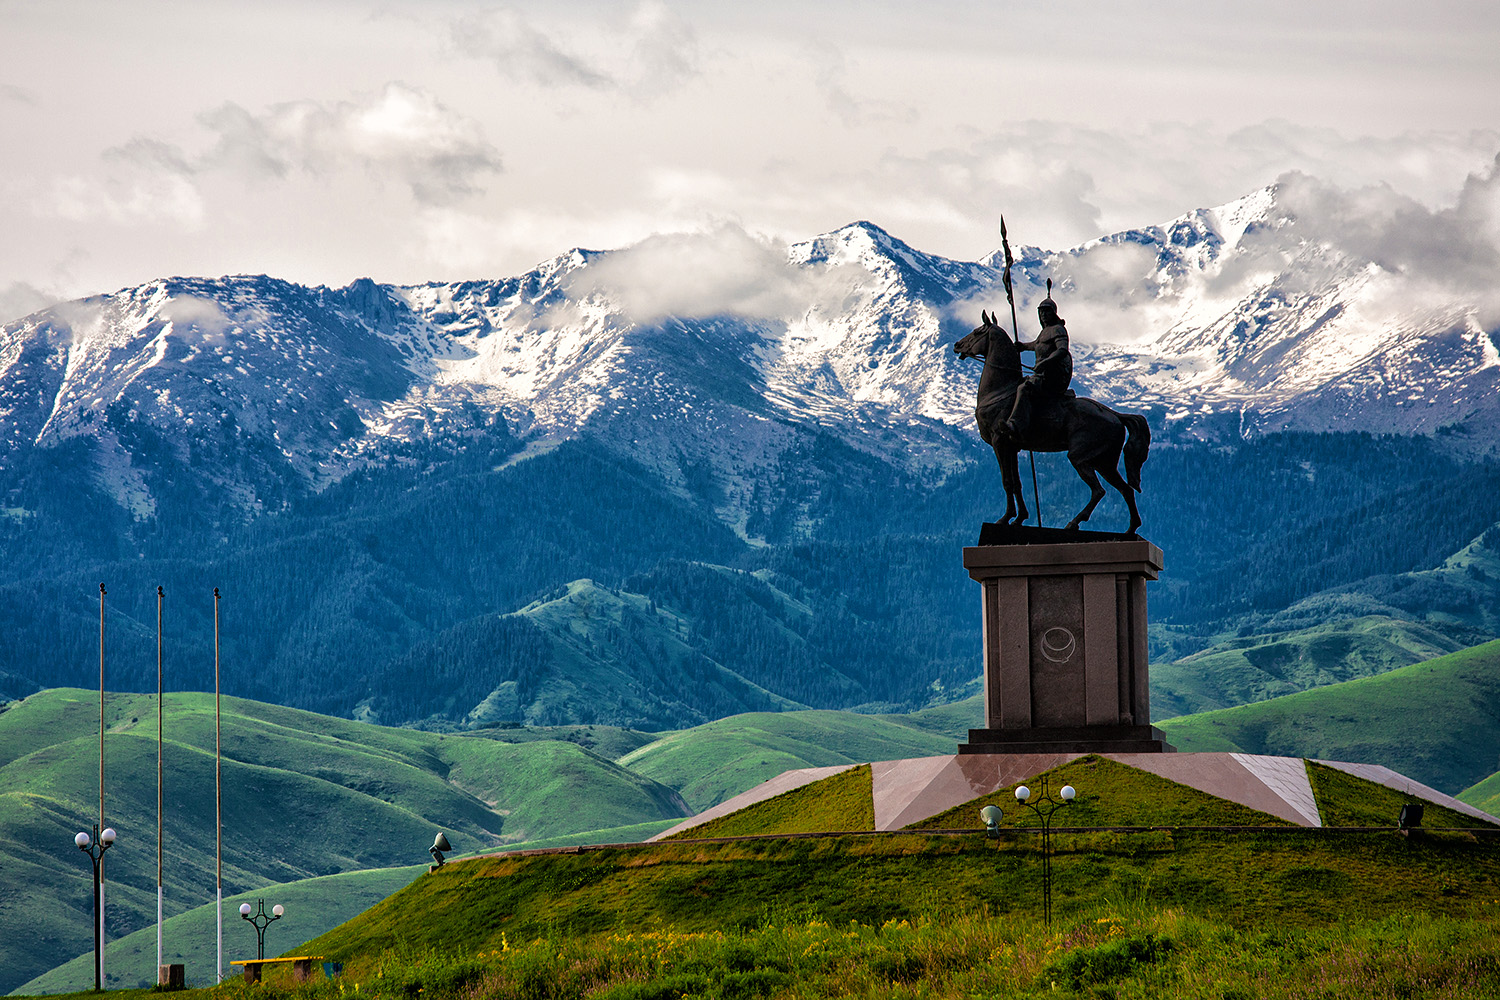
[412, 141]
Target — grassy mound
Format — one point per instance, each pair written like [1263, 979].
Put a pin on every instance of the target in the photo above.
[839, 803]
[1109, 794]
[1288, 878]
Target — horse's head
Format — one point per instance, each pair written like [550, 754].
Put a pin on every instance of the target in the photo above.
[977, 343]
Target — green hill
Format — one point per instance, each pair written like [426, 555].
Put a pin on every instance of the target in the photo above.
[1242, 670]
[1437, 721]
[304, 795]
[710, 763]
[1484, 794]
[584, 654]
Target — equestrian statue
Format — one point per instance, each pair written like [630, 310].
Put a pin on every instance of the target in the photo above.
[1018, 413]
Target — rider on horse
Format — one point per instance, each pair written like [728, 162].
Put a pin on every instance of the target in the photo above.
[1053, 370]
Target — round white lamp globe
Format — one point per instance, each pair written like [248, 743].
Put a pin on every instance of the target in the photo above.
[277, 910]
[1023, 793]
[1068, 792]
[82, 840]
[244, 909]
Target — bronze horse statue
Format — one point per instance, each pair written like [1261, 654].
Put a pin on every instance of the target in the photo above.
[1093, 435]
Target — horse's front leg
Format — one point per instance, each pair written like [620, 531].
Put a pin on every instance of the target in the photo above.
[1015, 493]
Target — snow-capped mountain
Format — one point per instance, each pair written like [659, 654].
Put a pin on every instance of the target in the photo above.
[263, 388]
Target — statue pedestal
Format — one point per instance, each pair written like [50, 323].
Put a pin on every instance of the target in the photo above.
[1065, 667]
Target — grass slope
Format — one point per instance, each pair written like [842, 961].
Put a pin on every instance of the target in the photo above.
[1286, 879]
[1344, 800]
[304, 795]
[1240, 671]
[1109, 794]
[1484, 794]
[710, 763]
[840, 803]
[313, 907]
[1117, 950]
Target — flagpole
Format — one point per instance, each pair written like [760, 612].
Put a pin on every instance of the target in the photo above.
[218, 809]
[101, 780]
[159, 598]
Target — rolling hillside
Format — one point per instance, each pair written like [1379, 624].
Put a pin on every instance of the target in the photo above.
[1247, 669]
[713, 762]
[304, 795]
[1437, 721]
[313, 906]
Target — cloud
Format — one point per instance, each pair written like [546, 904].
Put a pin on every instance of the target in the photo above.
[144, 181]
[523, 52]
[830, 78]
[197, 318]
[1061, 184]
[1427, 261]
[400, 131]
[1455, 246]
[19, 299]
[13, 94]
[653, 52]
[1432, 258]
[722, 271]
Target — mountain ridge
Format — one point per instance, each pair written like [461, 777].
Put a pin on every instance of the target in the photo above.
[286, 388]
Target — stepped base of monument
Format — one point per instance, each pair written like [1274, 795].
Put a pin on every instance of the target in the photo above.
[1068, 739]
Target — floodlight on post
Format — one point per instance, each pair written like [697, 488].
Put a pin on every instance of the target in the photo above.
[1045, 806]
[95, 846]
[991, 816]
[260, 921]
[439, 845]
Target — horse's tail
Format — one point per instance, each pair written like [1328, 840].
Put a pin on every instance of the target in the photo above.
[1137, 444]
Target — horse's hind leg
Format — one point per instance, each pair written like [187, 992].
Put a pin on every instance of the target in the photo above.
[1113, 478]
[1086, 473]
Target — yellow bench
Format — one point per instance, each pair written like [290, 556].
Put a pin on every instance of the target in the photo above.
[302, 966]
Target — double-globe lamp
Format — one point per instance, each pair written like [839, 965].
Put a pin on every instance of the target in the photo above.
[260, 922]
[992, 815]
[95, 847]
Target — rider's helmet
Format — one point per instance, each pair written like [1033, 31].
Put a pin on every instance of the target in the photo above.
[1046, 310]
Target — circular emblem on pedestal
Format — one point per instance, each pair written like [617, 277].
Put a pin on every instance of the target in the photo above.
[1058, 644]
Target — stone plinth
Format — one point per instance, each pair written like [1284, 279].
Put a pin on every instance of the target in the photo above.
[1065, 668]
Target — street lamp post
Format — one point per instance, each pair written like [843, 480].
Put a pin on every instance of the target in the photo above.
[95, 847]
[260, 922]
[1045, 806]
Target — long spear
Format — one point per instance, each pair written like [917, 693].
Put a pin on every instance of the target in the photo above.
[1010, 296]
